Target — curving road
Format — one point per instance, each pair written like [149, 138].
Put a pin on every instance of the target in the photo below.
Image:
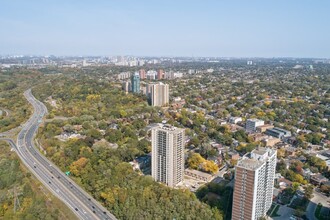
[80, 202]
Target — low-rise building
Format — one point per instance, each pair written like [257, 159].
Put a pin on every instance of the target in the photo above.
[318, 179]
[307, 173]
[271, 141]
[178, 103]
[235, 120]
[257, 136]
[278, 133]
[290, 151]
[322, 157]
[233, 155]
[216, 159]
[221, 122]
[235, 127]
[252, 124]
[276, 193]
[263, 128]
[198, 175]
[283, 183]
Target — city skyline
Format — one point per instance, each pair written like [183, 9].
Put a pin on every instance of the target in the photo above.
[186, 28]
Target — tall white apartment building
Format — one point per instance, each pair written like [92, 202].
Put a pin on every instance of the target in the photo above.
[252, 124]
[126, 86]
[254, 182]
[159, 94]
[151, 74]
[167, 162]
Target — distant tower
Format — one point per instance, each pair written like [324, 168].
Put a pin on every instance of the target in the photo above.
[126, 86]
[135, 82]
[160, 74]
[142, 73]
[167, 154]
[254, 182]
[84, 63]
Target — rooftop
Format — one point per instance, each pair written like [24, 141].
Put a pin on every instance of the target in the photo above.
[254, 120]
[250, 164]
[199, 173]
[167, 127]
[280, 129]
[256, 158]
[260, 151]
[266, 126]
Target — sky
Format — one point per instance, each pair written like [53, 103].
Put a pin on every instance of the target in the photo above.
[209, 28]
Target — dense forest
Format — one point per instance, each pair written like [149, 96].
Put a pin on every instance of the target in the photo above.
[12, 85]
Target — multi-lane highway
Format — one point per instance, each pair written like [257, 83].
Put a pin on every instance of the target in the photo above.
[80, 202]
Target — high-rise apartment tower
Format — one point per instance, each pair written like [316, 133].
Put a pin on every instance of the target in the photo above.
[167, 154]
[135, 82]
[159, 94]
[254, 182]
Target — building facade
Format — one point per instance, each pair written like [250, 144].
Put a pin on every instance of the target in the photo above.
[252, 124]
[135, 82]
[159, 94]
[167, 162]
[254, 182]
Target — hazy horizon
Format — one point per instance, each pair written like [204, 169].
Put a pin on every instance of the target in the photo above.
[240, 29]
[154, 56]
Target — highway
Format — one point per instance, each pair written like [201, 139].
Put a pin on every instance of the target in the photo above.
[79, 201]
